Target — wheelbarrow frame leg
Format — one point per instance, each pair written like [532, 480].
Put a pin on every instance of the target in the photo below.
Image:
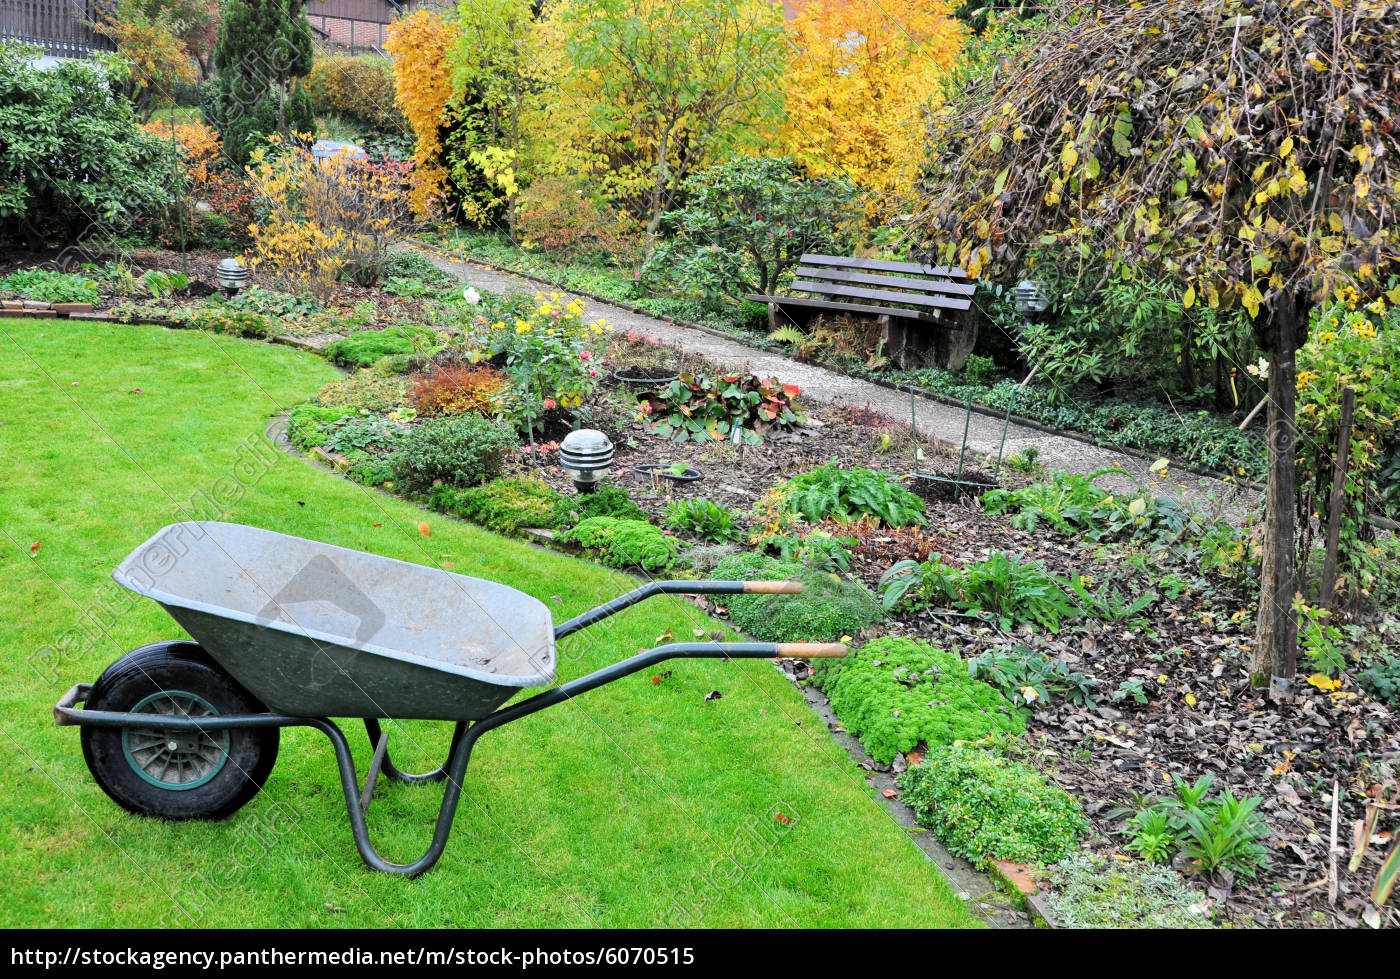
[465, 740]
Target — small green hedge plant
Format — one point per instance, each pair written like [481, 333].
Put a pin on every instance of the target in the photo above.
[624, 543]
[365, 348]
[829, 606]
[895, 693]
[982, 805]
[504, 505]
[605, 501]
[306, 425]
[459, 451]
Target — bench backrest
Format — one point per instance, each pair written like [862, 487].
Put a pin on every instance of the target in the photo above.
[912, 283]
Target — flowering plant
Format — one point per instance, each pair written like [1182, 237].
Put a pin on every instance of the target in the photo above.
[551, 352]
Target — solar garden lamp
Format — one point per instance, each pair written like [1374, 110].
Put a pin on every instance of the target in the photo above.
[232, 276]
[586, 455]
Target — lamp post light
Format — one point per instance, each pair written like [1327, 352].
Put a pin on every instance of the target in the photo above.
[586, 455]
[232, 276]
[1031, 299]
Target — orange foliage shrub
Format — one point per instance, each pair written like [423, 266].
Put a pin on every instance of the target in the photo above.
[199, 145]
[423, 85]
[458, 390]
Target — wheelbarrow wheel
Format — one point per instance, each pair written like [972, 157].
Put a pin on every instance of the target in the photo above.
[176, 775]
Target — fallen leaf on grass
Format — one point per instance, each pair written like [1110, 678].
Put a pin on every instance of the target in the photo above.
[713, 695]
[424, 529]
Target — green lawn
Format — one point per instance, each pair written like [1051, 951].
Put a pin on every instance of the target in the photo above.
[614, 810]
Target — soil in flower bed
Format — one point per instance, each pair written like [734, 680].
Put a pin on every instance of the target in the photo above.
[737, 475]
[1191, 660]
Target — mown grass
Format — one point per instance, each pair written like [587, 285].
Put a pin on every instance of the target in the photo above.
[640, 804]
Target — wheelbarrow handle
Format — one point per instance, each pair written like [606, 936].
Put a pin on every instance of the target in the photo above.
[708, 587]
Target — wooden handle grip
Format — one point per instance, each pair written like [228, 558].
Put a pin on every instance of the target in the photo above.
[772, 587]
[812, 650]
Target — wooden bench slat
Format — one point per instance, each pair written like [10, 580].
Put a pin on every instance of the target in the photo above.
[894, 281]
[844, 307]
[888, 295]
[878, 265]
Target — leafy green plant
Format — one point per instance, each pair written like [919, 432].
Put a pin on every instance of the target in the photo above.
[1130, 690]
[306, 425]
[828, 607]
[1091, 891]
[816, 549]
[44, 286]
[1111, 605]
[624, 543]
[1028, 676]
[364, 348]
[502, 505]
[1382, 679]
[605, 501]
[846, 495]
[1066, 502]
[362, 433]
[924, 583]
[704, 518]
[1026, 461]
[982, 805]
[1224, 833]
[1151, 834]
[980, 370]
[408, 287]
[457, 451]
[163, 285]
[1015, 591]
[275, 303]
[897, 693]
[703, 407]
[1322, 644]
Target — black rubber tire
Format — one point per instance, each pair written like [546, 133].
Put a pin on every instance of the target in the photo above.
[184, 666]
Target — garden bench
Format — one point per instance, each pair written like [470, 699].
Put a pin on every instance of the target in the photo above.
[903, 295]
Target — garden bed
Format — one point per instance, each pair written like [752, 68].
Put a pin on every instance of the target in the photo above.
[1198, 715]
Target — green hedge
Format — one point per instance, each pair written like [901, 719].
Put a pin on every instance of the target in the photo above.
[895, 693]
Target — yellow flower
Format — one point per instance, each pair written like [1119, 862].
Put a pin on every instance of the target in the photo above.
[522, 328]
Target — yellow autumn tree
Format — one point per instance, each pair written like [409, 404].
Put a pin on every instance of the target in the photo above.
[862, 77]
[419, 45]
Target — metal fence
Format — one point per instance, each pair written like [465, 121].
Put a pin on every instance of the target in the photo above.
[60, 27]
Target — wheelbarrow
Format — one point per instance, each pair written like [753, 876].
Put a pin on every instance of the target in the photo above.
[290, 632]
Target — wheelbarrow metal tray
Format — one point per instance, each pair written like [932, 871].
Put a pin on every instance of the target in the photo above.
[315, 630]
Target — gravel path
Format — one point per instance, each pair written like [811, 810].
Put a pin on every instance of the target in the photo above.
[934, 418]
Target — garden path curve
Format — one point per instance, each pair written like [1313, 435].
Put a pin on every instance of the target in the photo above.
[934, 418]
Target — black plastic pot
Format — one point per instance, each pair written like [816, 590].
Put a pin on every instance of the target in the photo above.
[638, 379]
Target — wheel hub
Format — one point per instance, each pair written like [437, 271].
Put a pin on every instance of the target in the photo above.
[172, 759]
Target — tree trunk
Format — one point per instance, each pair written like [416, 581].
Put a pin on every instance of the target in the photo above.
[1276, 638]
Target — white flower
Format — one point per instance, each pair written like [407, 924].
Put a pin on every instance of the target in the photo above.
[471, 295]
